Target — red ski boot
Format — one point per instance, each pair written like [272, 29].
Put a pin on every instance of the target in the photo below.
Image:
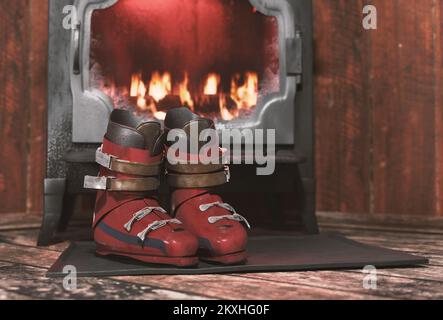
[128, 220]
[220, 229]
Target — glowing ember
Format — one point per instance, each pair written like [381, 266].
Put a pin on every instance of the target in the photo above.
[212, 83]
[160, 85]
[160, 115]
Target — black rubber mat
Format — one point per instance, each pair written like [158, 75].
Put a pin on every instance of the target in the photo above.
[266, 253]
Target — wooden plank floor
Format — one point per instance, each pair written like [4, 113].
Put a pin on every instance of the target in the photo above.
[23, 267]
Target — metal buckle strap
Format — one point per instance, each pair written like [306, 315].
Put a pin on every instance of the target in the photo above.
[123, 166]
[234, 216]
[114, 184]
[156, 225]
[139, 215]
[190, 168]
[206, 180]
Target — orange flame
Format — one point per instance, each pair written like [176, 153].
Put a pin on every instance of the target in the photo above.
[135, 82]
[160, 85]
[141, 100]
[138, 90]
[211, 84]
[224, 112]
[243, 94]
[246, 95]
[185, 95]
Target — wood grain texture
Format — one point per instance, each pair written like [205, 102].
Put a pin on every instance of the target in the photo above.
[27, 282]
[38, 65]
[437, 24]
[379, 115]
[378, 101]
[233, 287]
[22, 268]
[402, 91]
[14, 40]
[342, 109]
[23, 61]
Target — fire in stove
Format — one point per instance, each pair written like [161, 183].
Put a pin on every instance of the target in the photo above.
[159, 94]
[217, 57]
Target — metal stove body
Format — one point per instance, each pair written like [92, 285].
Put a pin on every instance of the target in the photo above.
[78, 113]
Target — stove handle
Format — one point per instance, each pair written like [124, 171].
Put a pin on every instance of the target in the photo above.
[294, 56]
[76, 65]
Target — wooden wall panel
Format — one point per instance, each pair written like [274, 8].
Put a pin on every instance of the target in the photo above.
[400, 107]
[378, 100]
[402, 89]
[38, 64]
[23, 66]
[438, 89]
[342, 109]
[14, 23]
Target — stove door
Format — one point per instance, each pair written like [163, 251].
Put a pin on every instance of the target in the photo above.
[237, 62]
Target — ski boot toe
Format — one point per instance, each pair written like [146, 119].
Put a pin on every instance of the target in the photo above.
[227, 244]
[181, 243]
[172, 245]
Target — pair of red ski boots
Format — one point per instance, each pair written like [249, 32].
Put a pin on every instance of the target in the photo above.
[128, 220]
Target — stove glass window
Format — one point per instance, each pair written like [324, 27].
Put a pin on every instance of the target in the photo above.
[218, 57]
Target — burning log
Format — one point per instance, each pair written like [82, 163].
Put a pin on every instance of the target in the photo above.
[169, 102]
[229, 103]
[207, 103]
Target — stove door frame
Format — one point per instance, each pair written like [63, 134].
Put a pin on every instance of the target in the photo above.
[91, 107]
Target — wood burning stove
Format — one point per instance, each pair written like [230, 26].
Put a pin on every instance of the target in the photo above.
[154, 55]
[243, 63]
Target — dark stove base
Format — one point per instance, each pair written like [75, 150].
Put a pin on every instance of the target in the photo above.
[266, 254]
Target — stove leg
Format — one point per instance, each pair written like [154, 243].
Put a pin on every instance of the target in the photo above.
[54, 195]
[306, 203]
[67, 211]
[308, 213]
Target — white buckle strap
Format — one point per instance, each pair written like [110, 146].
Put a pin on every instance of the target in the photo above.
[234, 216]
[139, 215]
[156, 225]
[116, 164]
[103, 159]
[115, 184]
[96, 183]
